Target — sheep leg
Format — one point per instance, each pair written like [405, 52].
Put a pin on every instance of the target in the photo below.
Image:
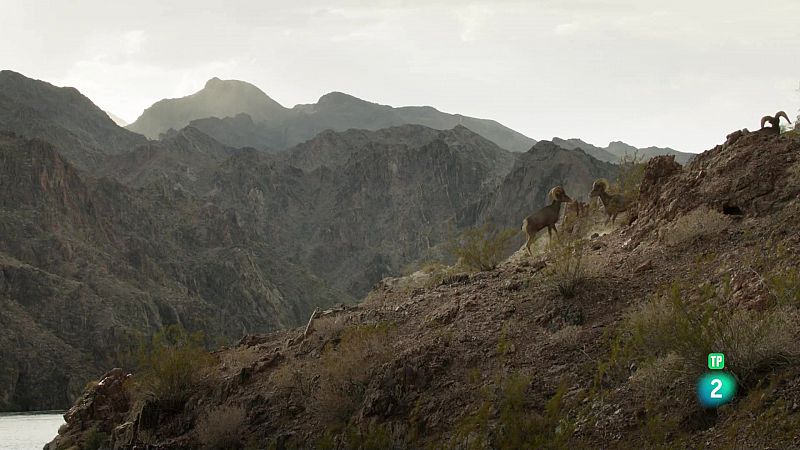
[528, 245]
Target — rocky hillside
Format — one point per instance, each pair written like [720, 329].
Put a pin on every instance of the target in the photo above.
[359, 205]
[62, 116]
[616, 151]
[535, 172]
[529, 355]
[241, 115]
[88, 265]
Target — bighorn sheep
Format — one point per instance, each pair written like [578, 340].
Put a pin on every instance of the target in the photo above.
[613, 204]
[545, 217]
[774, 121]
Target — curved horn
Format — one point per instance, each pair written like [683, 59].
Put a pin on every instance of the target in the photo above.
[600, 184]
[764, 120]
[780, 114]
[553, 194]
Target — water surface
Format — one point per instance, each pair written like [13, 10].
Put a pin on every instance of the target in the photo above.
[29, 431]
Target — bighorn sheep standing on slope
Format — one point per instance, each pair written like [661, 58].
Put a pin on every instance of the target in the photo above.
[774, 121]
[545, 217]
[613, 204]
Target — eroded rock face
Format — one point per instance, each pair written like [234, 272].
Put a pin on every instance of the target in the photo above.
[102, 406]
[748, 178]
[87, 265]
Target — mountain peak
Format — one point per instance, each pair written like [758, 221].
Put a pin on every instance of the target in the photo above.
[340, 98]
[219, 98]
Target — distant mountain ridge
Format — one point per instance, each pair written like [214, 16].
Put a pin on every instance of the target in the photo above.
[221, 108]
[62, 116]
[617, 150]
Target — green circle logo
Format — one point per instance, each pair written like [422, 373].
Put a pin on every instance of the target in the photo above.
[715, 389]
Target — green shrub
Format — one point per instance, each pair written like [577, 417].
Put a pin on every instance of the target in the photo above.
[482, 248]
[753, 341]
[95, 439]
[170, 365]
[517, 426]
[785, 287]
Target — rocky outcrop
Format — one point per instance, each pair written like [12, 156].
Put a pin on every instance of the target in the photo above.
[103, 400]
[746, 178]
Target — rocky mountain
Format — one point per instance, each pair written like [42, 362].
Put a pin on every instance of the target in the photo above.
[117, 120]
[219, 98]
[617, 150]
[241, 115]
[358, 205]
[509, 358]
[106, 236]
[89, 265]
[62, 116]
[535, 172]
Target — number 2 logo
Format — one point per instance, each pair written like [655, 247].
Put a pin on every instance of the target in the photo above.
[715, 392]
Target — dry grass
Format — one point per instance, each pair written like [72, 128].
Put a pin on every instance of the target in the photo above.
[701, 221]
[221, 428]
[345, 370]
[664, 377]
[330, 327]
[567, 337]
[565, 265]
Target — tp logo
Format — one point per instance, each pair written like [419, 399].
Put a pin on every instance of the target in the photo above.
[716, 388]
[716, 361]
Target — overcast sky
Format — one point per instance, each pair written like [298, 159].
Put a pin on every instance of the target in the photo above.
[675, 73]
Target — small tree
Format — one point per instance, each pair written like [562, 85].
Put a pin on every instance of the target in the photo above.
[482, 248]
[170, 364]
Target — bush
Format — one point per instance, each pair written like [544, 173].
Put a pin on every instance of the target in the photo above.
[95, 439]
[517, 426]
[565, 269]
[345, 369]
[221, 428]
[785, 287]
[630, 175]
[482, 248]
[753, 341]
[699, 222]
[170, 365]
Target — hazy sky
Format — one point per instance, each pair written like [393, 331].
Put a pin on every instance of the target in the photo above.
[673, 73]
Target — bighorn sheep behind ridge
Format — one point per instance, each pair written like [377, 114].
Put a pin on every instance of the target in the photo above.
[774, 121]
[545, 217]
[613, 204]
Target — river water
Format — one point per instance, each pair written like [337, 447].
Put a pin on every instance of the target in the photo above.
[28, 431]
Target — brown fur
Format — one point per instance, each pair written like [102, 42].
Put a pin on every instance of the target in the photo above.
[545, 217]
[613, 204]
